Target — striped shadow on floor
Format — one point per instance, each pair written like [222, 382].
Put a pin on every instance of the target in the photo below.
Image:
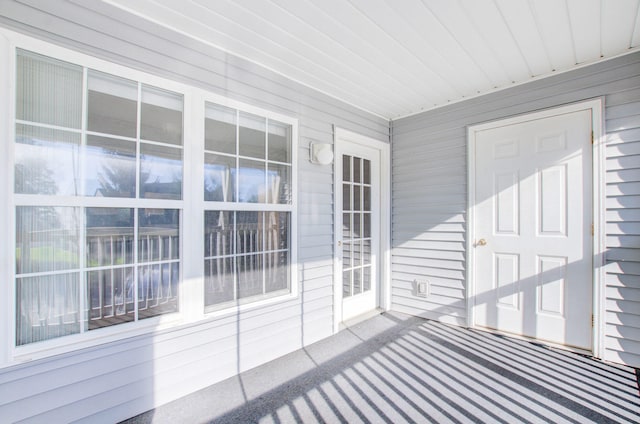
[399, 369]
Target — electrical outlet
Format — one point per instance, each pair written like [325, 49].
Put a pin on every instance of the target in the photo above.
[422, 288]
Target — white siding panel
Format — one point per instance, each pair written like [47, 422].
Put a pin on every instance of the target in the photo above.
[114, 381]
[429, 152]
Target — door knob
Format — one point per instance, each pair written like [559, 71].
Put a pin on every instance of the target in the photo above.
[481, 242]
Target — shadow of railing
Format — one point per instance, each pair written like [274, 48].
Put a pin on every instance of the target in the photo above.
[424, 371]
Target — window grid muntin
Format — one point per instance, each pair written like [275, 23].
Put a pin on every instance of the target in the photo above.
[81, 201]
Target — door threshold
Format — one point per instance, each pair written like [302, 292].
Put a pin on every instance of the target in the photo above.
[545, 343]
[359, 318]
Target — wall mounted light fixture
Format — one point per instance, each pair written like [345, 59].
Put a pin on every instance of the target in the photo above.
[320, 153]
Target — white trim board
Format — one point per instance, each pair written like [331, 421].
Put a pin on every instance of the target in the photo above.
[596, 106]
[384, 272]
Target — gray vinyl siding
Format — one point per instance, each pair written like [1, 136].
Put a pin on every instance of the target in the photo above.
[430, 190]
[114, 381]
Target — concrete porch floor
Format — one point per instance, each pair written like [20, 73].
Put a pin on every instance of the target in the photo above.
[394, 369]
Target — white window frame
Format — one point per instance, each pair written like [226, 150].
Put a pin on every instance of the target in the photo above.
[192, 206]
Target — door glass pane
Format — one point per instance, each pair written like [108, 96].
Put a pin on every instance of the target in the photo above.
[46, 238]
[47, 306]
[110, 167]
[219, 178]
[252, 135]
[356, 169]
[366, 171]
[366, 225]
[47, 161]
[48, 91]
[366, 252]
[220, 129]
[356, 225]
[366, 278]
[109, 236]
[346, 168]
[366, 198]
[346, 197]
[279, 142]
[160, 172]
[161, 116]
[279, 184]
[112, 104]
[346, 283]
[346, 226]
[356, 198]
[346, 255]
[357, 282]
[251, 181]
[357, 253]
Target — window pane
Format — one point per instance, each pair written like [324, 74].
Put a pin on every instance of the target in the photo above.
[346, 283]
[218, 233]
[47, 161]
[366, 171]
[109, 236]
[112, 104]
[250, 275]
[252, 135]
[279, 143]
[158, 237]
[218, 281]
[47, 307]
[48, 91]
[366, 278]
[110, 168]
[251, 181]
[366, 198]
[346, 254]
[277, 271]
[161, 116]
[366, 225]
[357, 282]
[158, 289]
[279, 179]
[346, 197]
[249, 232]
[356, 198]
[346, 226]
[219, 178]
[46, 238]
[220, 129]
[110, 297]
[160, 172]
[277, 230]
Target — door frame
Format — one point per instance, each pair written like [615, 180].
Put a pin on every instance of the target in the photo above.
[384, 263]
[596, 106]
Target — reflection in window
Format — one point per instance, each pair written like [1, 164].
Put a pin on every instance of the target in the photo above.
[219, 178]
[252, 135]
[110, 167]
[160, 172]
[220, 129]
[161, 116]
[46, 161]
[246, 255]
[112, 104]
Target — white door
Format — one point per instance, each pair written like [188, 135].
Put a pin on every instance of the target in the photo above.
[358, 217]
[532, 242]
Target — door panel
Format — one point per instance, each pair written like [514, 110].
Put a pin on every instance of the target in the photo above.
[533, 260]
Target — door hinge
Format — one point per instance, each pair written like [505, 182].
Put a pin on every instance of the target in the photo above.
[592, 230]
[593, 320]
[592, 137]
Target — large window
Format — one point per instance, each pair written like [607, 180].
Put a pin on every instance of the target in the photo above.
[107, 182]
[91, 151]
[248, 179]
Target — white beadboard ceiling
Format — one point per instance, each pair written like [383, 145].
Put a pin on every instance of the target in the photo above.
[399, 57]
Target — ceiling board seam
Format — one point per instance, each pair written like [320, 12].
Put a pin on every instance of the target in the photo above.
[275, 58]
[402, 46]
[410, 89]
[513, 38]
[462, 47]
[635, 24]
[489, 47]
[184, 33]
[319, 51]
